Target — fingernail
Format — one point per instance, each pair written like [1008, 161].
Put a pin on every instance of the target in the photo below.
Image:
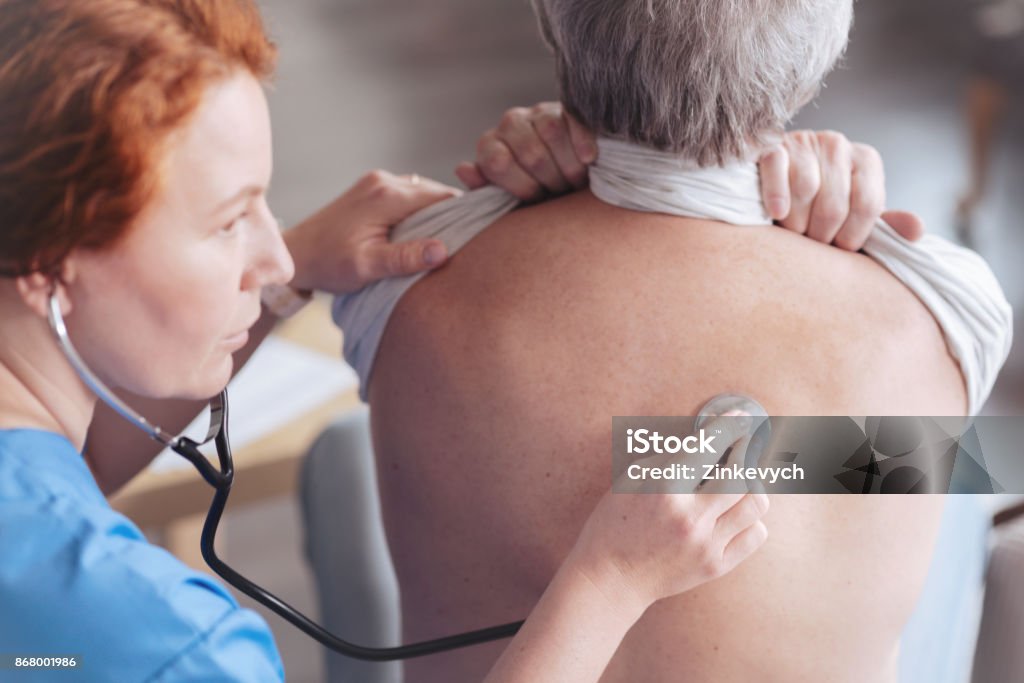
[742, 419]
[588, 152]
[434, 254]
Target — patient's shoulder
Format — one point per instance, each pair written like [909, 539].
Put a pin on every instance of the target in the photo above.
[863, 342]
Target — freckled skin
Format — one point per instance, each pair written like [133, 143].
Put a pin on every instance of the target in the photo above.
[495, 386]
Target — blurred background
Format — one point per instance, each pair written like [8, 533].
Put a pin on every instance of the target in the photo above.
[410, 85]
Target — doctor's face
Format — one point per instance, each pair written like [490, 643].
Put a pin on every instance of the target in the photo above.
[161, 311]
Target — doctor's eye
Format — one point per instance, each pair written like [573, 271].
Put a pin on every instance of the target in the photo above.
[232, 227]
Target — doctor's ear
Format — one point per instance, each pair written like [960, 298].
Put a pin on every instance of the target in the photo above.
[35, 290]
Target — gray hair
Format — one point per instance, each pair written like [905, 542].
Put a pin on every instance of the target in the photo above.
[707, 79]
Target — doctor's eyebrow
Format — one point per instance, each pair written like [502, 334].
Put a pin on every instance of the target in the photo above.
[244, 193]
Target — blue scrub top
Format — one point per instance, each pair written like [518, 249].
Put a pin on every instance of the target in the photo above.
[78, 578]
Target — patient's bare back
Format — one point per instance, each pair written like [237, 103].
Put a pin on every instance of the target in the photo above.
[492, 400]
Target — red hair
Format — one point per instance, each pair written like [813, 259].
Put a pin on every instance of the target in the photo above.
[89, 91]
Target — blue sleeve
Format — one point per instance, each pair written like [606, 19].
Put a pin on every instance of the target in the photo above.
[85, 582]
[238, 647]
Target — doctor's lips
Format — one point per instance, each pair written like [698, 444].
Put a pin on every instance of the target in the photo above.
[239, 339]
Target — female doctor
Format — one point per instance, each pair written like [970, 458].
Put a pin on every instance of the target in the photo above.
[134, 161]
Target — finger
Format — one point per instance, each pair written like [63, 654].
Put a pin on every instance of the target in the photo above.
[553, 129]
[867, 198]
[737, 456]
[716, 504]
[726, 430]
[832, 205]
[583, 139]
[401, 258]
[666, 486]
[907, 224]
[744, 545]
[395, 198]
[415, 181]
[417, 196]
[739, 517]
[774, 171]
[720, 433]
[470, 176]
[726, 435]
[499, 166]
[804, 179]
[516, 130]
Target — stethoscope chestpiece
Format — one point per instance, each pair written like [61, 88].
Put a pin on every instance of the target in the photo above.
[759, 426]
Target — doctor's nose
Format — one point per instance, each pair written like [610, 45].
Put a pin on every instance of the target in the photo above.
[270, 262]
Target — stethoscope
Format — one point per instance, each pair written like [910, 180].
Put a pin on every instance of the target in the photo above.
[220, 478]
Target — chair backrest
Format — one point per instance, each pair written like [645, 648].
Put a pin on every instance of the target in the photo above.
[1000, 651]
[347, 549]
[938, 641]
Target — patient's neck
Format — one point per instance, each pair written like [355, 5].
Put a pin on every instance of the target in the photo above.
[639, 178]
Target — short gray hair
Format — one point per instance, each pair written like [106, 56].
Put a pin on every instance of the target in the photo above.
[707, 79]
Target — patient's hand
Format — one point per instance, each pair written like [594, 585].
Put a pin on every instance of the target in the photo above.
[816, 183]
[641, 547]
[820, 184]
[532, 153]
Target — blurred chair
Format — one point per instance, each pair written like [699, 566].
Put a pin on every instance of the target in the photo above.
[938, 641]
[347, 549]
[1000, 652]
